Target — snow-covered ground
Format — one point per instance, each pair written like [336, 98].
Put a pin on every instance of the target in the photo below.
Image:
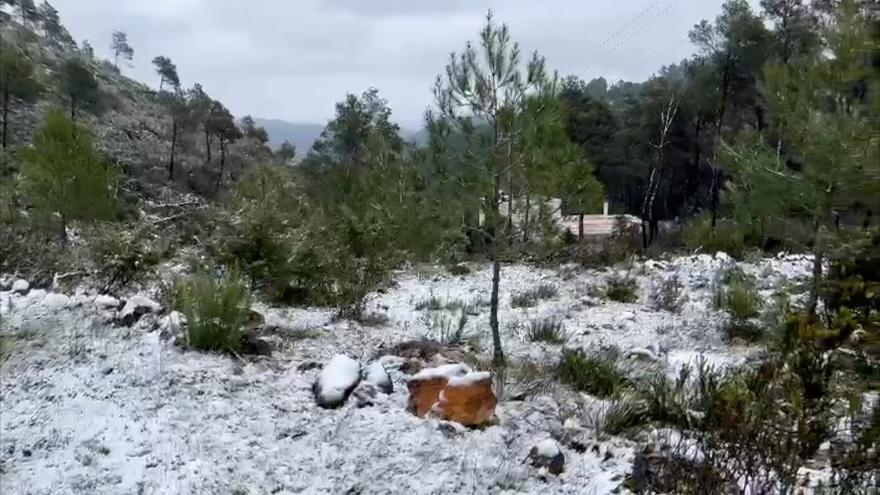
[92, 407]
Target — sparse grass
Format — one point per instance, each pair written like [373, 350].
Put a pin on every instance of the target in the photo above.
[668, 296]
[373, 319]
[216, 309]
[459, 270]
[741, 300]
[596, 373]
[531, 297]
[619, 416]
[432, 303]
[435, 303]
[445, 330]
[548, 329]
[622, 288]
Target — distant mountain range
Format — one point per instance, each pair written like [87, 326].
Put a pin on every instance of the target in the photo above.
[303, 134]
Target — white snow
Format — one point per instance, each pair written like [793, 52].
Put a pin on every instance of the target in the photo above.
[547, 448]
[20, 286]
[338, 377]
[469, 379]
[375, 374]
[448, 371]
[106, 301]
[90, 407]
[137, 302]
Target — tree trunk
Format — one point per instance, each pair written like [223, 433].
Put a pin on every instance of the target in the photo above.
[716, 195]
[208, 147]
[173, 149]
[5, 114]
[497, 351]
[815, 284]
[63, 233]
[580, 227]
[72, 108]
[222, 160]
[693, 186]
[525, 236]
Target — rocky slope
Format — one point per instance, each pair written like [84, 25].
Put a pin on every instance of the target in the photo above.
[93, 406]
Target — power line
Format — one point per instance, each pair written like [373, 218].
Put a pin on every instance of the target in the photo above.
[642, 27]
[630, 23]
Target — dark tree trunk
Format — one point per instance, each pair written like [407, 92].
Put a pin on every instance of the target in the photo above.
[222, 163]
[497, 351]
[72, 108]
[173, 149]
[525, 236]
[716, 195]
[62, 234]
[5, 114]
[207, 147]
[693, 184]
[580, 227]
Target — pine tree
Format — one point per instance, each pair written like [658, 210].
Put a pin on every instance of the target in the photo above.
[482, 98]
[286, 152]
[28, 12]
[64, 176]
[17, 81]
[182, 119]
[120, 48]
[827, 106]
[167, 72]
[80, 86]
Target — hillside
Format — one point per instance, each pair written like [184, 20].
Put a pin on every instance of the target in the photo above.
[301, 135]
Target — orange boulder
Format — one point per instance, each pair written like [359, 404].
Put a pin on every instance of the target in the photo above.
[468, 399]
[426, 385]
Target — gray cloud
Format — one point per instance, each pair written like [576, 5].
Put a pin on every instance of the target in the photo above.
[294, 60]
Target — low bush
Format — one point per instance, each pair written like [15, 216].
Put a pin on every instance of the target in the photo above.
[700, 235]
[531, 297]
[445, 330]
[668, 296]
[622, 288]
[459, 270]
[123, 257]
[549, 330]
[596, 373]
[216, 309]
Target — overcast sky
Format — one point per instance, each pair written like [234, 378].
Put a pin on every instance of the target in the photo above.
[294, 59]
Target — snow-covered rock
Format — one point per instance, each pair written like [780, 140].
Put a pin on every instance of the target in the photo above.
[547, 454]
[105, 301]
[426, 385]
[376, 375]
[171, 325]
[336, 381]
[135, 307]
[21, 286]
[468, 399]
[5, 282]
[56, 300]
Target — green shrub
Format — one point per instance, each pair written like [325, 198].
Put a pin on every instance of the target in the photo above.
[596, 373]
[699, 235]
[622, 288]
[216, 310]
[549, 330]
[741, 300]
[531, 297]
[122, 257]
[459, 269]
[444, 330]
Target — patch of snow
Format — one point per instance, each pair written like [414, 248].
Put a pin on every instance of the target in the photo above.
[375, 374]
[20, 286]
[337, 379]
[448, 371]
[547, 448]
[106, 301]
[469, 379]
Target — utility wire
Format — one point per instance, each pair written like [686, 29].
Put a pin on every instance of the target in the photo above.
[630, 23]
[642, 27]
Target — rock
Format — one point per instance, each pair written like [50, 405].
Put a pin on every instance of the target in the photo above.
[547, 454]
[20, 286]
[426, 385]
[135, 307]
[365, 394]
[104, 301]
[56, 300]
[375, 374]
[336, 381]
[171, 325]
[5, 282]
[309, 365]
[256, 345]
[468, 399]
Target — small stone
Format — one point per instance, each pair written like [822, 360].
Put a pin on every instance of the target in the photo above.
[107, 370]
[365, 394]
[21, 286]
[106, 302]
[547, 454]
[26, 452]
[309, 365]
[375, 374]
[135, 307]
